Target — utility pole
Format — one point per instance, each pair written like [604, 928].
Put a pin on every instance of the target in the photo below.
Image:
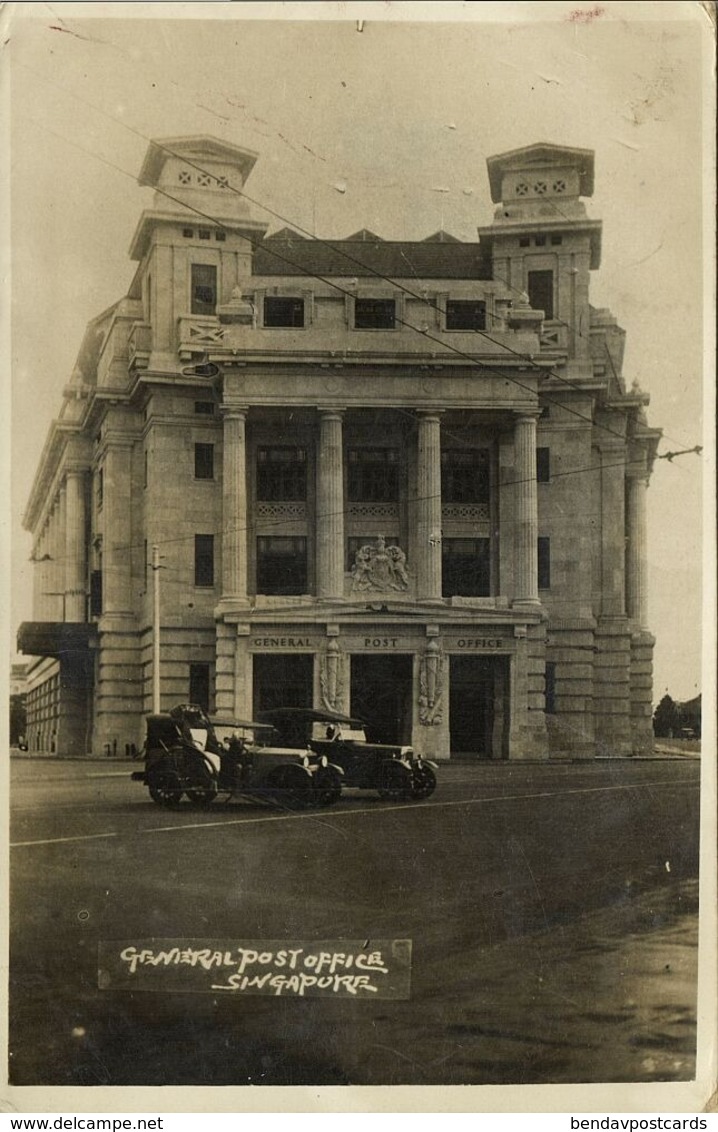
[156, 630]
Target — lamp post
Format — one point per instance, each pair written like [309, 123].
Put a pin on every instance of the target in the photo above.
[155, 630]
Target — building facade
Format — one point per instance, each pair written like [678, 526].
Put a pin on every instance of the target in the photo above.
[400, 479]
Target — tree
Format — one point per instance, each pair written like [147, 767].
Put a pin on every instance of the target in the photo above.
[666, 719]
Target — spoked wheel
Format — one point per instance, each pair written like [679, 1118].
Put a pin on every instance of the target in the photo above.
[292, 788]
[423, 782]
[203, 795]
[327, 786]
[395, 782]
[165, 787]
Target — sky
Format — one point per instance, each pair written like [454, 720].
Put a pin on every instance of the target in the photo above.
[375, 115]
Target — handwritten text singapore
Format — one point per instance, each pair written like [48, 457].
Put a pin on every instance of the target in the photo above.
[291, 971]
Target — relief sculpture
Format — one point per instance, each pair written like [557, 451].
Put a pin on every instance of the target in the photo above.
[379, 567]
[431, 685]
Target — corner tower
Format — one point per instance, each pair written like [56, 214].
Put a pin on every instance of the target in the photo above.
[542, 242]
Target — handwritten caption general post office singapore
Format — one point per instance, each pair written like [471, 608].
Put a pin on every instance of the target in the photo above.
[301, 969]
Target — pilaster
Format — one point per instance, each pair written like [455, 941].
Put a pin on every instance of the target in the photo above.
[330, 506]
[428, 507]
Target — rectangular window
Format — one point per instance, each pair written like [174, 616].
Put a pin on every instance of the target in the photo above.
[465, 475]
[550, 692]
[283, 312]
[199, 685]
[540, 289]
[524, 241]
[465, 314]
[220, 237]
[466, 567]
[540, 241]
[100, 488]
[204, 408]
[373, 475]
[556, 238]
[204, 461]
[544, 563]
[204, 560]
[146, 468]
[188, 233]
[204, 234]
[281, 473]
[281, 565]
[543, 465]
[374, 314]
[204, 288]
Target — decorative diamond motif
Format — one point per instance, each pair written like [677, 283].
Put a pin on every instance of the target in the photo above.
[540, 188]
[204, 179]
[466, 512]
[373, 511]
[279, 511]
[185, 178]
[522, 189]
[559, 186]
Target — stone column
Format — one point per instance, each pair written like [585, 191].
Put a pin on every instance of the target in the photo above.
[613, 529]
[428, 507]
[234, 504]
[330, 506]
[636, 561]
[75, 548]
[526, 569]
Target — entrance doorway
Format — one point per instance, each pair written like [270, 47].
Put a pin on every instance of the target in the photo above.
[381, 688]
[282, 680]
[478, 706]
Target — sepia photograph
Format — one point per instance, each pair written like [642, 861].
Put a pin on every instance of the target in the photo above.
[360, 624]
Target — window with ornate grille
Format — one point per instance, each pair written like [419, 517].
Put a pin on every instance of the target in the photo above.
[281, 473]
[466, 567]
[373, 475]
[465, 475]
[281, 565]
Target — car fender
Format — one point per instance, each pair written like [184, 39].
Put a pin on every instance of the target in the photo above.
[427, 762]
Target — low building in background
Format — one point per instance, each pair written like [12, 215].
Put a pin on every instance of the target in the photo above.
[404, 480]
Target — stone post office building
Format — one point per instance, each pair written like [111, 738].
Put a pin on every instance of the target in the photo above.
[400, 479]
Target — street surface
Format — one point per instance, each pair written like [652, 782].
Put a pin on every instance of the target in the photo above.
[552, 908]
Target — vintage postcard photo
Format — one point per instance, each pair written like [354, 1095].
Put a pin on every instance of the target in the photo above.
[360, 635]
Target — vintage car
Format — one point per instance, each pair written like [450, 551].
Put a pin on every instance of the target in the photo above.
[394, 771]
[187, 753]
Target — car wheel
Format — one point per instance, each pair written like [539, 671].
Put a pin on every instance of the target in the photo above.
[327, 786]
[165, 787]
[292, 788]
[395, 782]
[423, 782]
[203, 795]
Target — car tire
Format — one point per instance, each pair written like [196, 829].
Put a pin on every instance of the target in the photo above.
[423, 782]
[395, 782]
[165, 787]
[292, 788]
[327, 786]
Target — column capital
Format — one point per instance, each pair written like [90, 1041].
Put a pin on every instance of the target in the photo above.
[229, 409]
[430, 414]
[526, 416]
[333, 412]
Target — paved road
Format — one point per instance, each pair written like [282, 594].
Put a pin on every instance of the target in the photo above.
[551, 908]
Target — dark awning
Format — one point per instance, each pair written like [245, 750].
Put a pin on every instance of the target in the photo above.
[55, 638]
